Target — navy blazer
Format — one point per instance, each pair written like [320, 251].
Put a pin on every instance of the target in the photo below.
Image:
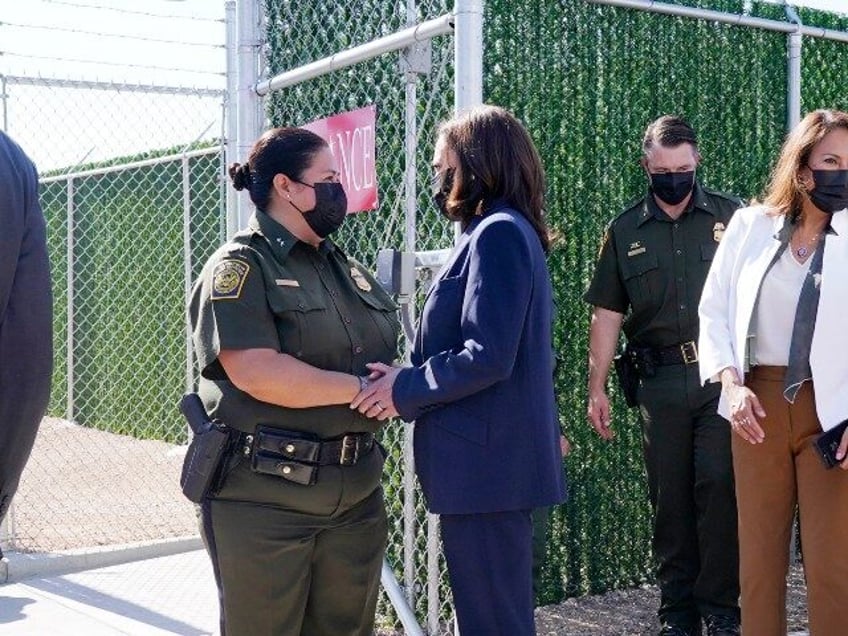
[481, 386]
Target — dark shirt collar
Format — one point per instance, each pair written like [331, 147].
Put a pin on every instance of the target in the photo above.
[650, 209]
[279, 238]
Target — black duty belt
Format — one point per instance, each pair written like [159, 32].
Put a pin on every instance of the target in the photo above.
[683, 353]
[302, 447]
[296, 456]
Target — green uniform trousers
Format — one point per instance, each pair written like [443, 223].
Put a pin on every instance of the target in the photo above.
[690, 480]
[281, 572]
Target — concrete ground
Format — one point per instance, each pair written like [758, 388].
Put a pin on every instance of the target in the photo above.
[175, 594]
[172, 594]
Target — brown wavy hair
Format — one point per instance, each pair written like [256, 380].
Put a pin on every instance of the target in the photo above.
[497, 160]
[785, 191]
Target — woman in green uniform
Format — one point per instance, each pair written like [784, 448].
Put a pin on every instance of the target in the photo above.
[284, 324]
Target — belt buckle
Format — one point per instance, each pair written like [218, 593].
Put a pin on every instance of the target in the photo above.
[689, 351]
[350, 450]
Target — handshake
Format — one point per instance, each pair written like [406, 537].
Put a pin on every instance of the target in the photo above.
[374, 399]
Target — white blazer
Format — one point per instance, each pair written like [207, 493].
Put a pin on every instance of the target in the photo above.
[727, 304]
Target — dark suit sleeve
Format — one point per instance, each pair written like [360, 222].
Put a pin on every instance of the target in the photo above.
[12, 216]
[494, 306]
[26, 344]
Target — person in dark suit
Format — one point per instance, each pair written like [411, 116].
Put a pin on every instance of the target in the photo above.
[26, 315]
[480, 387]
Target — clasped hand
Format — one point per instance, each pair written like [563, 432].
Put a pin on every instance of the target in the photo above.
[375, 400]
[745, 408]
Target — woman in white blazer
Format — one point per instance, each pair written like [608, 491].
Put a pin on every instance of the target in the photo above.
[773, 331]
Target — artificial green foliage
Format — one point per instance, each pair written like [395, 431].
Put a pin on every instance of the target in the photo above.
[129, 299]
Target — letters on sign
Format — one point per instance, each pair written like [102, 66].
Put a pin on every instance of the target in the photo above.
[352, 141]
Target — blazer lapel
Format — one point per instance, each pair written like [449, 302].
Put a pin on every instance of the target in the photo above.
[833, 301]
[751, 275]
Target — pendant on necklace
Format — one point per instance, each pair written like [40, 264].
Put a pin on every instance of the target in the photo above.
[801, 252]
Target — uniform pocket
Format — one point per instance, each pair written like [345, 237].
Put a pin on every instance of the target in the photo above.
[297, 317]
[384, 313]
[642, 278]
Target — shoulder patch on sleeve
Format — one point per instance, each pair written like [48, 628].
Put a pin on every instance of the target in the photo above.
[228, 279]
[604, 240]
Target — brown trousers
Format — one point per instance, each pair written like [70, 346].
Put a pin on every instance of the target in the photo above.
[770, 479]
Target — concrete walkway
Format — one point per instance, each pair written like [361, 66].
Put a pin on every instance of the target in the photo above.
[165, 595]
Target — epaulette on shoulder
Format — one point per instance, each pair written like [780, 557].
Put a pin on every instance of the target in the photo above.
[240, 242]
[724, 195]
[634, 205]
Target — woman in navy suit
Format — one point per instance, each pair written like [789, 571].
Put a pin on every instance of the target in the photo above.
[480, 387]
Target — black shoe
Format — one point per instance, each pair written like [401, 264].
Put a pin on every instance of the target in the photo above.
[670, 629]
[722, 625]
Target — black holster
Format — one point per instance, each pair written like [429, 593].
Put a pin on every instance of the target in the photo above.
[628, 377]
[200, 476]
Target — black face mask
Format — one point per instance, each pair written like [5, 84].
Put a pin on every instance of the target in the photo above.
[672, 187]
[330, 208]
[442, 185]
[831, 192]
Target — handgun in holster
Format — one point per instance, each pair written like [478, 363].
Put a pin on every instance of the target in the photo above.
[205, 453]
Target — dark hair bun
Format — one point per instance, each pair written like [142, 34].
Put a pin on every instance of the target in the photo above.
[240, 175]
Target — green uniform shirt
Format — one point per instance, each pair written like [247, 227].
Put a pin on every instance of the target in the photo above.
[266, 289]
[652, 268]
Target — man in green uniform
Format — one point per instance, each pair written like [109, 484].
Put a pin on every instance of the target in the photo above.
[284, 324]
[650, 272]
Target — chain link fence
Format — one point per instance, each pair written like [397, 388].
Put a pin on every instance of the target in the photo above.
[130, 223]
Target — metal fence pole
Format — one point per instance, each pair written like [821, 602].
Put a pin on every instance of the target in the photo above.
[231, 116]
[249, 105]
[6, 533]
[3, 86]
[468, 80]
[69, 409]
[468, 56]
[725, 18]
[793, 75]
[187, 267]
[411, 202]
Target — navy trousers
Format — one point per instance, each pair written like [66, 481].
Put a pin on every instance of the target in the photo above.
[490, 561]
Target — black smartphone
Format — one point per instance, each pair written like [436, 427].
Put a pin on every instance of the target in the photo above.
[828, 442]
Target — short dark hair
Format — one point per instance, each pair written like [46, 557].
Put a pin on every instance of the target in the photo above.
[669, 131]
[289, 151]
[497, 160]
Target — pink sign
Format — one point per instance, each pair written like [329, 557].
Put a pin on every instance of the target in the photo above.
[352, 142]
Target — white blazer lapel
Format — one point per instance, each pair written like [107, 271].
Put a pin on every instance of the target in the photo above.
[828, 349]
[752, 270]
